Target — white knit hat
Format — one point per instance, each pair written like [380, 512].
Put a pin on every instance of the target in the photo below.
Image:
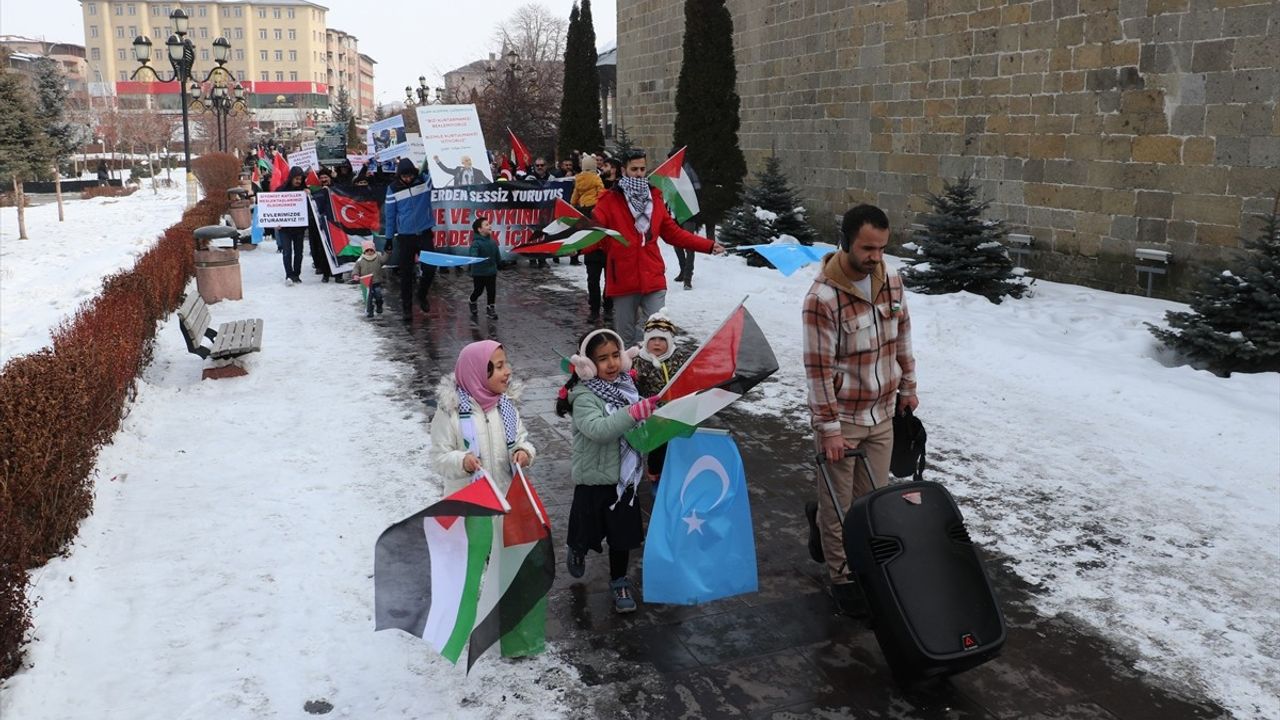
[659, 325]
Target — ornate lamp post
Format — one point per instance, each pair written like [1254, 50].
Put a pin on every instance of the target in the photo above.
[223, 102]
[423, 93]
[182, 56]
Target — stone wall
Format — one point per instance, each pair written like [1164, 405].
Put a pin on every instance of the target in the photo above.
[1096, 126]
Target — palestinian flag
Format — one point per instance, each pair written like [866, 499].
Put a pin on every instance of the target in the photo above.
[432, 589]
[520, 155]
[366, 280]
[341, 242]
[679, 418]
[513, 601]
[677, 189]
[569, 232]
[356, 208]
[736, 357]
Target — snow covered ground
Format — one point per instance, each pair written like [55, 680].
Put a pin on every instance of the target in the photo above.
[225, 571]
[1140, 498]
[44, 278]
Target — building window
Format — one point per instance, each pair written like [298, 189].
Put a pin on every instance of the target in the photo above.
[202, 11]
[238, 13]
[293, 56]
[119, 9]
[119, 31]
[293, 34]
[124, 76]
[204, 32]
[262, 13]
[275, 12]
[239, 33]
[157, 32]
[93, 8]
[293, 75]
[279, 55]
[121, 54]
[239, 54]
[262, 34]
[226, 12]
[204, 54]
[262, 55]
[240, 75]
[95, 54]
[264, 76]
[279, 34]
[290, 13]
[133, 31]
[279, 76]
[133, 9]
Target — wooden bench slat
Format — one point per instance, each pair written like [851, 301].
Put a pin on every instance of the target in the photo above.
[233, 338]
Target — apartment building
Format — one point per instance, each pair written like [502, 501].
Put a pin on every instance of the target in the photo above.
[279, 52]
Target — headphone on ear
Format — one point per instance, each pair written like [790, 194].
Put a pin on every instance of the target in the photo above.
[584, 366]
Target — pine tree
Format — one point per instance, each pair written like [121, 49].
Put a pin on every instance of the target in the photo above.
[958, 250]
[1234, 323]
[770, 209]
[707, 107]
[354, 142]
[342, 111]
[622, 144]
[65, 138]
[24, 147]
[580, 102]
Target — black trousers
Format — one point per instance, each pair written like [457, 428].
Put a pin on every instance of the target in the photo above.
[407, 248]
[290, 244]
[595, 288]
[685, 257]
[487, 284]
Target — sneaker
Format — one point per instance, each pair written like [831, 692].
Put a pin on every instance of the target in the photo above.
[623, 598]
[492, 312]
[288, 282]
[473, 308]
[815, 539]
[576, 562]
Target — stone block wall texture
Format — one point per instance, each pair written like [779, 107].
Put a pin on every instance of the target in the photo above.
[1096, 126]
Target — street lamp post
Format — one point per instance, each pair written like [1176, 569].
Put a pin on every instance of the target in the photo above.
[182, 56]
[223, 102]
[423, 93]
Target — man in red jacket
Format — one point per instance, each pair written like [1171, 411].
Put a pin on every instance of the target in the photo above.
[635, 276]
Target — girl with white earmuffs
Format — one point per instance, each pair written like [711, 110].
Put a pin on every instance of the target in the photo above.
[604, 403]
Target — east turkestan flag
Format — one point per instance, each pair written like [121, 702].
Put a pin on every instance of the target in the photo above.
[672, 179]
[429, 568]
[570, 231]
[700, 545]
[513, 601]
[736, 358]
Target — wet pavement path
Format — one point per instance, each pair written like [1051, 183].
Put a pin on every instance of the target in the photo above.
[782, 652]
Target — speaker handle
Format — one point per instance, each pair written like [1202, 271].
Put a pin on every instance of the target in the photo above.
[831, 488]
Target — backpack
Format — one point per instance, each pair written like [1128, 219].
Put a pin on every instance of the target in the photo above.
[909, 438]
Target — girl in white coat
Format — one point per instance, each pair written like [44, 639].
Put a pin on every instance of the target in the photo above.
[476, 424]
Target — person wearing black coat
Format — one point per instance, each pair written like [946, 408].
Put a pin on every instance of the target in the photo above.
[291, 239]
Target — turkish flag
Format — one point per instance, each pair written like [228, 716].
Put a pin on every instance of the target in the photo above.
[279, 171]
[519, 153]
[355, 213]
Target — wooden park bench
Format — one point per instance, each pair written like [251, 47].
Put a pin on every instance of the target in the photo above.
[229, 342]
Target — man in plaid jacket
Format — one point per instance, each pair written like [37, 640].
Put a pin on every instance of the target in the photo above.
[859, 367]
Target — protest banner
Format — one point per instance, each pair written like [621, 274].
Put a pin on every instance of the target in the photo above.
[454, 144]
[307, 145]
[305, 159]
[387, 139]
[283, 209]
[357, 161]
[517, 212]
[331, 142]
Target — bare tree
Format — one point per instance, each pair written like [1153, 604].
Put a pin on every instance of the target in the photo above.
[526, 96]
[150, 132]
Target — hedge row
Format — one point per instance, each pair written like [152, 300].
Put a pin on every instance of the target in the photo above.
[59, 406]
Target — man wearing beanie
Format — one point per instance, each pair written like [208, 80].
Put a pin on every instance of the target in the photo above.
[408, 223]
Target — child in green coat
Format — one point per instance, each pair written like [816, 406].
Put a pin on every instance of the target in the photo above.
[484, 275]
[604, 403]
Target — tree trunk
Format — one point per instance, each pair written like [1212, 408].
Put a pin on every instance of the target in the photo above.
[57, 191]
[20, 201]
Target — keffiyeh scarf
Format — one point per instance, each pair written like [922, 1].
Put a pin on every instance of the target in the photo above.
[467, 425]
[617, 395]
